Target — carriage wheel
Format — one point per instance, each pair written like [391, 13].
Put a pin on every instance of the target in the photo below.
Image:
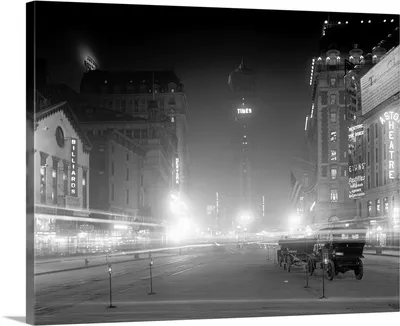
[310, 266]
[359, 271]
[330, 270]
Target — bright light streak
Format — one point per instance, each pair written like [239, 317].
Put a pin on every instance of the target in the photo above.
[312, 206]
[120, 226]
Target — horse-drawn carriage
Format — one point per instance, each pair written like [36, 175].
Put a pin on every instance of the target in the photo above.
[336, 249]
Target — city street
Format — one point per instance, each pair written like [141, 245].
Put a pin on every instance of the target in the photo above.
[227, 282]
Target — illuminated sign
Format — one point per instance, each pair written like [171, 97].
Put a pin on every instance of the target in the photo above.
[356, 185]
[177, 170]
[355, 132]
[90, 63]
[356, 167]
[244, 111]
[391, 117]
[381, 81]
[74, 167]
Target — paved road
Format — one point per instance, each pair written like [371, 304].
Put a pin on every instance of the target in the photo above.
[226, 283]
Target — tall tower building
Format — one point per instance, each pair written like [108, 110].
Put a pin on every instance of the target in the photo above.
[327, 124]
[242, 83]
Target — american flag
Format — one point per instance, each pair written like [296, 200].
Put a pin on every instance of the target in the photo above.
[295, 188]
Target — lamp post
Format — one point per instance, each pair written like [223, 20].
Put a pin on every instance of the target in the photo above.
[109, 273]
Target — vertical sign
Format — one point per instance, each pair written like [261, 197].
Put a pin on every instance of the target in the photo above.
[391, 118]
[177, 170]
[263, 206]
[74, 168]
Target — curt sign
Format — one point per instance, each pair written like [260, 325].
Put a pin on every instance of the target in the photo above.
[391, 118]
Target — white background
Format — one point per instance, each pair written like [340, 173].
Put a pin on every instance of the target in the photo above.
[12, 106]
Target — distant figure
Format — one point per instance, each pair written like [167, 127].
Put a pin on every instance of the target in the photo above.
[86, 262]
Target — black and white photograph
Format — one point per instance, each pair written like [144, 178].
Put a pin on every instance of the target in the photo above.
[208, 162]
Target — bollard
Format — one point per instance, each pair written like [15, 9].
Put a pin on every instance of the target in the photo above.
[274, 254]
[323, 278]
[151, 277]
[109, 273]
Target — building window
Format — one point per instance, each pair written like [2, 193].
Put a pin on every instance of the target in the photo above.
[378, 207]
[333, 155]
[368, 134]
[376, 130]
[385, 206]
[136, 105]
[333, 98]
[112, 192]
[369, 182]
[334, 195]
[333, 116]
[376, 155]
[369, 208]
[112, 168]
[65, 178]
[43, 178]
[376, 179]
[127, 174]
[122, 104]
[84, 188]
[127, 196]
[54, 173]
[333, 173]
[333, 136]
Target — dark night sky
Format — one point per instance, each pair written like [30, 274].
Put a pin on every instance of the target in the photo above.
[203, 46]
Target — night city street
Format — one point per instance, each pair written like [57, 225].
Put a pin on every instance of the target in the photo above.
[230, 283]
[210, 163]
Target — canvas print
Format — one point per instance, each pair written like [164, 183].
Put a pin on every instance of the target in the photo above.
[202, 163]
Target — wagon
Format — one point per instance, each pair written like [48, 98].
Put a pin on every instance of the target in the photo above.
[295, 251]
[338, 250]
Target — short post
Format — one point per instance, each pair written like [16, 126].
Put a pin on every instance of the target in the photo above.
[306, 286]
[109, 273]
[273, 247]
[323, 278]
[151, 276]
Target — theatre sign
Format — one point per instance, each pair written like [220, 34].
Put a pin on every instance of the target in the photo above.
[392, 119]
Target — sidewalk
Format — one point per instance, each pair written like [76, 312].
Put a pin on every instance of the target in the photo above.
[75, 263]
[385, 252]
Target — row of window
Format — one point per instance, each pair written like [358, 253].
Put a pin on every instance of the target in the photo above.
[136, 105]
[379, 210]
[334, 172]
[127, 196]
[55, 171]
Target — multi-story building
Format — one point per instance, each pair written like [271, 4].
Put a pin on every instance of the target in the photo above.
[328, 122]
[61, 165]
[133, 163]
[148, 95]
[379, 207]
